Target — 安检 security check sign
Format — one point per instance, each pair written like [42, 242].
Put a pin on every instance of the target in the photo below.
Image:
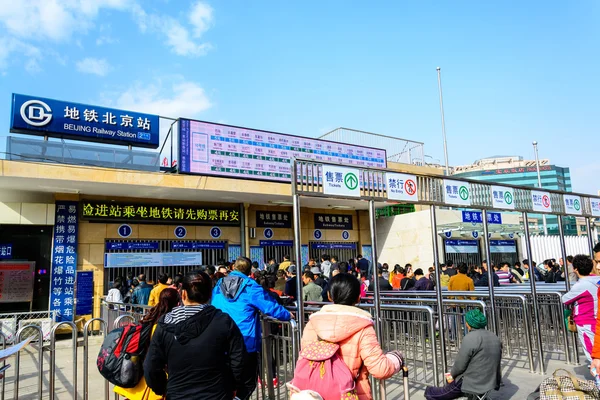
[341, 181]
[457, 192]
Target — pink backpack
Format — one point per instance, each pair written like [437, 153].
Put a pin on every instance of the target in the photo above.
[321, 369]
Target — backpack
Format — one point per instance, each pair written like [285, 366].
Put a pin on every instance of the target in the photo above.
[121, 357]
[321, 369]
[567, 387]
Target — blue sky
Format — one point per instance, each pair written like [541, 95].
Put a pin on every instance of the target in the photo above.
[512, 72]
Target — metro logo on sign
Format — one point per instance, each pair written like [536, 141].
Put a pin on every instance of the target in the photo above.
[69, 120]
[503, 198]
[457, 192]
[572, 204]
[340, 181]
[401, 187]
[541, 201]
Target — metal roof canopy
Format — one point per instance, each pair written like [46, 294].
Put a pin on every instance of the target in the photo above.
[430, 190]
[307, 178]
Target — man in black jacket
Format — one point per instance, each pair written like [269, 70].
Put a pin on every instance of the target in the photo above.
[201, 347]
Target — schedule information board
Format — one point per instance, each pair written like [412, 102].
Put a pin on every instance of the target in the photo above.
[213, 149]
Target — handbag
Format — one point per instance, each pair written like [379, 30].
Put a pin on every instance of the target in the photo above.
[568, 387]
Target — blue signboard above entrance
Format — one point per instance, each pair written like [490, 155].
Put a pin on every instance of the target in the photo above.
[68, 120]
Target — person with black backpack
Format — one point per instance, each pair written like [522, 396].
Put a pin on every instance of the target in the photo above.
[200, 346]
[169, 298]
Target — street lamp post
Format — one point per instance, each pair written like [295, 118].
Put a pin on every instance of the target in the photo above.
[443, 121]
[537, 165]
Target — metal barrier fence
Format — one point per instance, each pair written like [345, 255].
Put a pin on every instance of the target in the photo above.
[10, 323]
[111, 312]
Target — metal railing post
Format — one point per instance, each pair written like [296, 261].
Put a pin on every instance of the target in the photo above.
[588, 226]
[488, 255]
[3, 364]
[18, 336]
[536, 310]
[86, 351]
[297, 244]
[53, 357]
[376, 288]
[438, 289]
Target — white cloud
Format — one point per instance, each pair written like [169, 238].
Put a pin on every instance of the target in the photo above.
[201, 18]
[106, 40]
[178, 99]
[55, 20]
[177, 36]
[94, 66]
[11, 48]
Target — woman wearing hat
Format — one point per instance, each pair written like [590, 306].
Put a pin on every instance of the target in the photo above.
[477, 367]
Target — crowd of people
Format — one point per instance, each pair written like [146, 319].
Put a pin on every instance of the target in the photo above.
[207, 332]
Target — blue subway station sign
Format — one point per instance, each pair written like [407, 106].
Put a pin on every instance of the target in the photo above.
[74, 121]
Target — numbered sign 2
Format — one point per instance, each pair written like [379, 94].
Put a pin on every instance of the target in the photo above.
[180, 232]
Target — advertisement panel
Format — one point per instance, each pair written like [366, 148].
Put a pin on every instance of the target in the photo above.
[503, 198]
[401, 187]
[503, 246]
[541, 201]
[457, 192]
[16, 281]
[222, 150]
[462, 246]
[74, 121]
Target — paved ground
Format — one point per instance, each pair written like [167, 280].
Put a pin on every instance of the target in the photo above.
[518, 382]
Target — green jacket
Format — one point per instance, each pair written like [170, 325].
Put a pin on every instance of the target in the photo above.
[312, 292]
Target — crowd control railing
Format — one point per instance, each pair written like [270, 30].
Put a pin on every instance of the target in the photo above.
[410, 329]
[110, 311]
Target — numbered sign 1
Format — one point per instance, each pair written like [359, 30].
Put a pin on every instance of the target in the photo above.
[124, 230]
[180, 232]
[268, 233]
[215, 232]
[345, 235]
[317, 234]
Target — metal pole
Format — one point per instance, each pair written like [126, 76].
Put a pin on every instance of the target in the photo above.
[443, 120]
[563, 250]
[490, 273]
[590, 239]
[539, 178]
[297, 245]
[243, 230]
[86, 354]
[438, 289]
[534, 300]
[376, 288]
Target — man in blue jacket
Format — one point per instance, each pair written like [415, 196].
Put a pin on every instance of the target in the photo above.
[243, 299]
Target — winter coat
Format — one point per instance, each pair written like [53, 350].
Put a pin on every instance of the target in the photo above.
[326, 268]
[423, 284]
[155, 294]
[114, 296]
[312, 292]
[203, 352]
[352, 328]
[383, 284]
[242, 298]
[141, 294]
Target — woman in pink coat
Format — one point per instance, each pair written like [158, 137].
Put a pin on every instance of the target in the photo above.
[352, 328]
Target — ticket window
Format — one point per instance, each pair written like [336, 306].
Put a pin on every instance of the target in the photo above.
[278, 252]
[343, 251]
[459, 251]
[504, 251]
[212, 253]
